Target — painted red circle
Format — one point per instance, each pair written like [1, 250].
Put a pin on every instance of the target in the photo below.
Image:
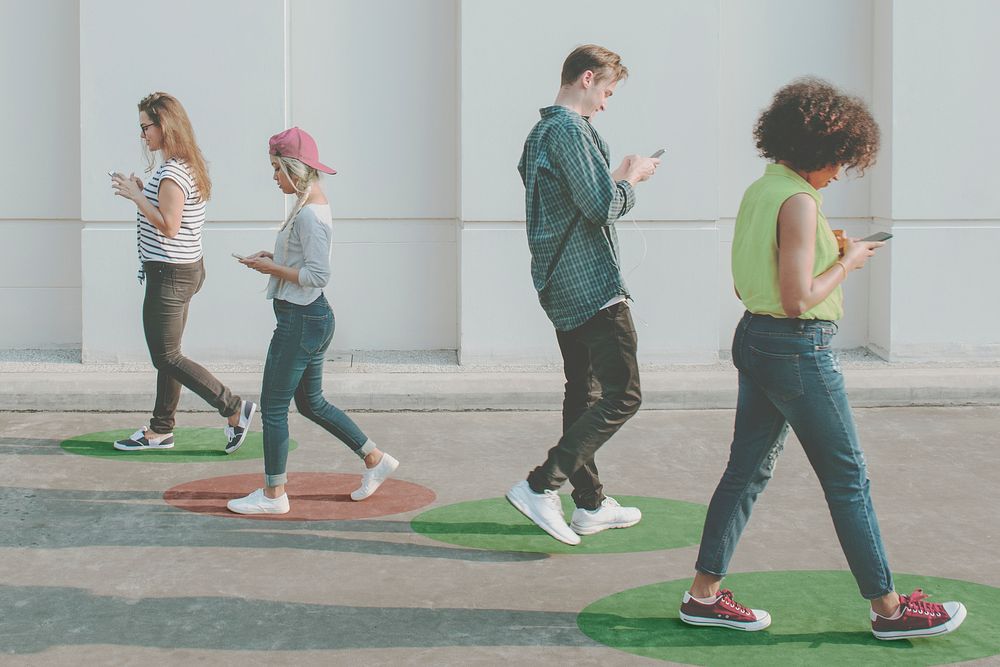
[313, 496]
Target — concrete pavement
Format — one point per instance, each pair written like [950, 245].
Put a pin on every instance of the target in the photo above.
[435, 381]
[95, 568]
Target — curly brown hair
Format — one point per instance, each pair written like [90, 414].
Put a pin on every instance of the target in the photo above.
[812, 125]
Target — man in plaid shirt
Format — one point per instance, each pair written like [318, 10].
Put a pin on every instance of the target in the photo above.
[573, 201]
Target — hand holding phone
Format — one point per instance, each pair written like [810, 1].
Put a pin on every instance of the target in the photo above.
[659, 152]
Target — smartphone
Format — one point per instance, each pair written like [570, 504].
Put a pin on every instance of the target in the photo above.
[240, 257]
[878, 236]
[659, 152]
[111, 174]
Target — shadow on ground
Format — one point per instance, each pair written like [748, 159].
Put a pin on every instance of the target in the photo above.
[29, 447]
[36, 618]
[63, 519]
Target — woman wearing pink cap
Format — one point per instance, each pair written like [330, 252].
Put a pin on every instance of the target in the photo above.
[299, 268]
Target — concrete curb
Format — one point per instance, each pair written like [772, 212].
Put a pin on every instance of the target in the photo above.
[673, 389]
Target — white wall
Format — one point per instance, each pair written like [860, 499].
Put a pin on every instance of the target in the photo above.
[941, 180]
[231, 83]
[423, 107]
[945, 103]
[40, 175]
[342, 70]
[672, 55]
[765, 45]
[376, 82]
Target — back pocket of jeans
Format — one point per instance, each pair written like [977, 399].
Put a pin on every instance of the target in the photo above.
[315, 333]
[778, 374]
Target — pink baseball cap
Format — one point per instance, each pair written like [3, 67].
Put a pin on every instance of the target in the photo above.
[296, 143]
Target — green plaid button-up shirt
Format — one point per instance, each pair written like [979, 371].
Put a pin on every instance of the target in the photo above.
[572, 204]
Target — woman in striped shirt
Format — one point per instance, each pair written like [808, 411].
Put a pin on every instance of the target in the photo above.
[171, 214]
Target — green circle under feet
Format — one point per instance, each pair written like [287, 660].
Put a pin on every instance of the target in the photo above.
[495, 525]
[190, 445]
[817, 618]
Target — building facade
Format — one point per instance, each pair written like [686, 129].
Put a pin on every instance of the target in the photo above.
[423, 105]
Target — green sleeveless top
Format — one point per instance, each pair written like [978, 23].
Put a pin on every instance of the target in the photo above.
[755, 246]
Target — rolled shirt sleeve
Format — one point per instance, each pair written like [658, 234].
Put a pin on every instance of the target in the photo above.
[316, 239]
[584, 171]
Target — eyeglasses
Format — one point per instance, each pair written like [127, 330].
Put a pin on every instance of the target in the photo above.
[145, 127]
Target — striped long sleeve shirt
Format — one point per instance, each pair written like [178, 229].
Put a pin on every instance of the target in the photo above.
[572, 204]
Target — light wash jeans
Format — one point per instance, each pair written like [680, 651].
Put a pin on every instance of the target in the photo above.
[294, 368]
[789, 376]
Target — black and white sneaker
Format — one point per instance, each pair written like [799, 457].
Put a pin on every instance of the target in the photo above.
[140, 441]
[235, 435]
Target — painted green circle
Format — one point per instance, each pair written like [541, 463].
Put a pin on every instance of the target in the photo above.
[190, 445]
[495, 525]
[818, 618]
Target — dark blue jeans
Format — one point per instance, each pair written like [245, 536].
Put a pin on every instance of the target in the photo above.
[294, 368]
[789, 376]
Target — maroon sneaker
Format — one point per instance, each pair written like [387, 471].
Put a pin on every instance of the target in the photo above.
[725, 612]
[919, 618]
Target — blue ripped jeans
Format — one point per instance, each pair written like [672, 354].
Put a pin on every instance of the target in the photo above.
[789, 376]
[294, 368]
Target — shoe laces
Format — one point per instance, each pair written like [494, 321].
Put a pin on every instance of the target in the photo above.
[914, 603]
[726, 594]
[610, 502]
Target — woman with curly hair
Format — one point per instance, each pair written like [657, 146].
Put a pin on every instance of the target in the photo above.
[788, 270]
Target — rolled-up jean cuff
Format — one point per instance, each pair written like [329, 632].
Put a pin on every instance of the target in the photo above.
[275, 480]
[877, 595]
[699, 568]
[366, 448]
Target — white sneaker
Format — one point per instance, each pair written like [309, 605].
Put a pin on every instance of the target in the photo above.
[139, 441]
[258, 503]
[544, 509]
[374, 477]
[609, 515]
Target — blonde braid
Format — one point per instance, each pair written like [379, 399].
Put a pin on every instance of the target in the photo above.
[300, 203]
[310, 176]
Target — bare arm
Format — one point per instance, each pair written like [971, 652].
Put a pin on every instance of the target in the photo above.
[800, 290]
[171, 208]
[167, 218]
